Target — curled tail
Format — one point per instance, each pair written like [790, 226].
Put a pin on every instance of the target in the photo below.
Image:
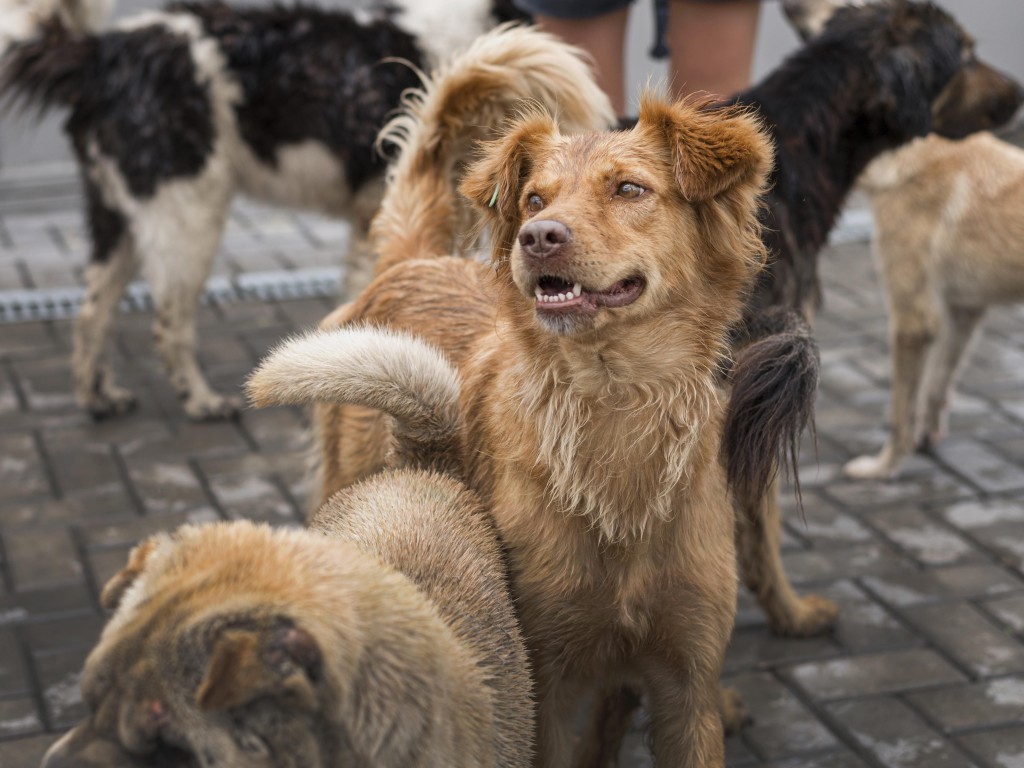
[471, 98]
[44, 48]
[376, 368]
[774, 383]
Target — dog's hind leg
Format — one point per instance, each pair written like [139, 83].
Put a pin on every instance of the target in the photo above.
[914, 332]
[106, 281]
[759, 538]
[177, 237]
[113, 265]
[958, 329]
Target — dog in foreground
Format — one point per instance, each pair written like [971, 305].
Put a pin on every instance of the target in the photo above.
[384, 636]
[588, 354]
[949, 239]
[173, 113]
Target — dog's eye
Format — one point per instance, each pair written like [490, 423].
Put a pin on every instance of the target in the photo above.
[534, 203]
[629, 190]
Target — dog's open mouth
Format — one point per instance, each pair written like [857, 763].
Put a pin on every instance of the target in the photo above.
[556, 294]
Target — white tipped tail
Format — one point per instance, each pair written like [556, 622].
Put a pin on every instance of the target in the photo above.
[376, 368]
[504, 73]
[23, 20]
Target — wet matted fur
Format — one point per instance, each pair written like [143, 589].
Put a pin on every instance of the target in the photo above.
[173, 113]
[593, 421]
[384, 637]
[878, 76]
[949, 241]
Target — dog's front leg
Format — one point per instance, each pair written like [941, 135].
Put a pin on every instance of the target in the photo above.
[557, 704]
[685, 708]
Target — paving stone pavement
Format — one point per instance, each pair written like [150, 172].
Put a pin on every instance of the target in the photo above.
[925, 668]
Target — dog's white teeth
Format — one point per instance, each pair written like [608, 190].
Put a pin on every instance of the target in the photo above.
[537, 292]
[561, 297]
[577, 289]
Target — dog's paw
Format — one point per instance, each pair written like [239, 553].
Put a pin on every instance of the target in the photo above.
[213, 408]
[734, 712]
[813, 615]
[110, 401]
[869, 468]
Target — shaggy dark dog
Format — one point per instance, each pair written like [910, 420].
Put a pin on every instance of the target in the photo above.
[878, 76]
[172, 113]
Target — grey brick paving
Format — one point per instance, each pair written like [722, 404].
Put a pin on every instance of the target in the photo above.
[925, 668]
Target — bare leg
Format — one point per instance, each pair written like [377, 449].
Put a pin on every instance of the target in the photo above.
[913, 334]
[604, 37]
[957, 331]
[758, 533]
[106, 281]
[712, 45]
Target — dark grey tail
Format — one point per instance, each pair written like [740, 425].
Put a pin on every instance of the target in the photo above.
[774, 383]
[50, 70]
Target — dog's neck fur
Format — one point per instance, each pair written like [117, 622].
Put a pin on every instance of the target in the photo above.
[616, 425]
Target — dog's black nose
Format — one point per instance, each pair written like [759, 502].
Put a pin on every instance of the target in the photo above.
[544, 239]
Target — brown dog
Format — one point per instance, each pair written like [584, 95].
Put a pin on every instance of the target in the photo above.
[589, 357]
[384, 637]
[949, 239]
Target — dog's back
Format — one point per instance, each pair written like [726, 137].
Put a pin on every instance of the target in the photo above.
[949, 212]
[432, 529]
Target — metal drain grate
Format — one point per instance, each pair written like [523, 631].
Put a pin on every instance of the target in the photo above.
[279, 285]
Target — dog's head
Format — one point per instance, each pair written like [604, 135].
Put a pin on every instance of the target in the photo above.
[929, 77]
[193, 670]
[602, 228]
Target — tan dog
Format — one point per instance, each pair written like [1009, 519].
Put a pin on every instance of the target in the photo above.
[949, 238]
[384, 637]
[589, 359]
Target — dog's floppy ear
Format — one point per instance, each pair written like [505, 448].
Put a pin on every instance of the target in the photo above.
[712, 149]
[250, 663]
[110, 597]
[494, 182]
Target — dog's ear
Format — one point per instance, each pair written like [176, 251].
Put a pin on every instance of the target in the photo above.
[110, 597]
[712, 149]
[494, 182]
[246, 664]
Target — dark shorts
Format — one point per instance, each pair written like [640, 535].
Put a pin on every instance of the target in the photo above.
[574, 9]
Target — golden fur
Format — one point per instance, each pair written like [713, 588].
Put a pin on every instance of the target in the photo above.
[949, 240]
[594, 437]
[385, 636]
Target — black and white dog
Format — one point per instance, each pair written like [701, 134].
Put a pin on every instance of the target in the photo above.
[172, 113]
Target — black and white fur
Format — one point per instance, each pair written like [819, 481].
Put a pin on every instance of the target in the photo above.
[172, 113]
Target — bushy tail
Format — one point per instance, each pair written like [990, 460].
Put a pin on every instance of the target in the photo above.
[774, 384]
[376, 368]
[469, 99]
[44, 45]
